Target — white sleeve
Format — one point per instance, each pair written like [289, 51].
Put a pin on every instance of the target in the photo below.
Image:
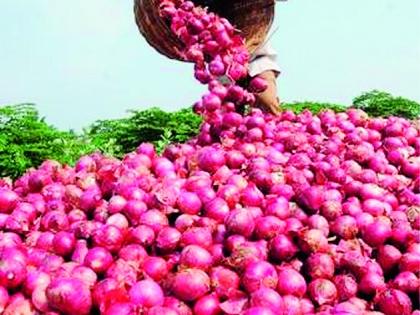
[264, 59]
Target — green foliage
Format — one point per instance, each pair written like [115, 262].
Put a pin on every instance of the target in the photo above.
[314, 107]
[26, 140]
[378, 103]
[151, 125]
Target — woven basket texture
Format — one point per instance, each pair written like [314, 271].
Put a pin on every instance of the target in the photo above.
[252, 17]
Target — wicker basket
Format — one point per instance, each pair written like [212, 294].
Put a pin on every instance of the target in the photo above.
[252, 17]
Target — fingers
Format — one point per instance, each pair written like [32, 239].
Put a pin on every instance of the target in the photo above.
[268, 100]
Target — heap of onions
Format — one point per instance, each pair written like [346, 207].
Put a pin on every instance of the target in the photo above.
[259, 214]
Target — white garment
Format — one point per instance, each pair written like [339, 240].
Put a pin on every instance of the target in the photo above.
[264, 59]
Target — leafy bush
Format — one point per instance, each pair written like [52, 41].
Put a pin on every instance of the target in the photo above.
[314, 107]
[151, 125]
[26, 140]
[378, 103]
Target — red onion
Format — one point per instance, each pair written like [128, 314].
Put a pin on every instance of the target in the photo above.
[306, 306]
[146, 293]
[4, 298]
[123, 272]
[154, 219]
[35, 279]
[224, 281]
[313, 240]
[99, 259]
[189, 203]
[190, 284]
[120, 309]
[251, 196]
[291, 282]
[54, 221]
[266, 297]
[87, 275]
[12, 273]
[133, 210]
[258, 85]
[345, 226]
[18, 305]
[168, 238]
[102, 289]
[211, 159]
[8, 200]
[268, 227]
[197, 236]
[319, 222]
[371, 282]
[376, 233]
[155, 268]
[64, 243]
[109, 237]
[331, 209]
[322, 291]
[388, 257]
[278, 207]
[160, 310]
[193, 256]
[292, 305]
[208, 305]
[320, 266]
[259, 311]
[217, 209]
[259, 274]
[407, 282]
[312, 198]
[394, 302]
[346, 287]
[282, 248]
[239, 221]
[69, 296]
[177, 305]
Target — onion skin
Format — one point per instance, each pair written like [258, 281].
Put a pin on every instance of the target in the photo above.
[155, 268]
[291, 282]
[259, 274]
[323, 291]
[193, 256]
[207, 305]
[99, 259]
[407, 282]
[320, 266]
[240, 222]
[120, 309]
[146, 293]
[393, 302]
[190, 284]
[266, 297]
[69, 296]
[12, 273]
[282, 248]
[346, 287]
[259, 311]
[4, 298]
[224, 281]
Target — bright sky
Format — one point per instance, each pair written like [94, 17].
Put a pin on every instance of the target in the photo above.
[85, 60]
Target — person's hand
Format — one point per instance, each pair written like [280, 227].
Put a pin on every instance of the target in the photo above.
[268, 100]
